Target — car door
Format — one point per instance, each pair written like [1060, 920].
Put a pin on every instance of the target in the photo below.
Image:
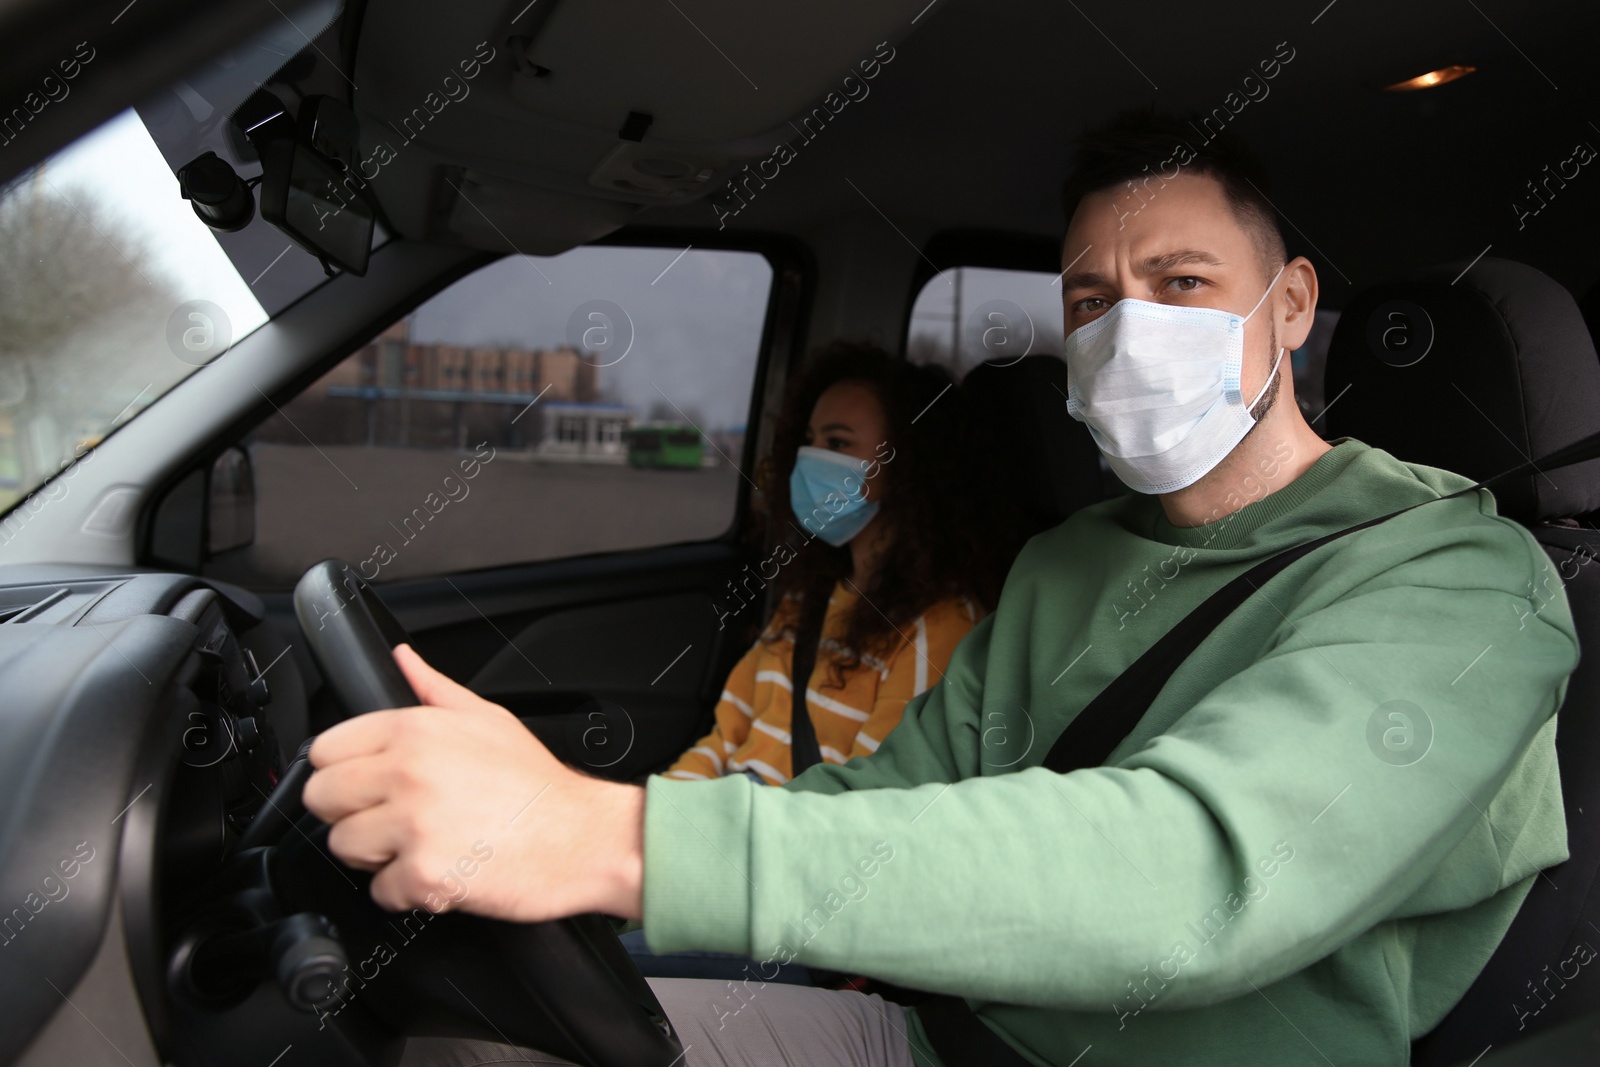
[545, 469]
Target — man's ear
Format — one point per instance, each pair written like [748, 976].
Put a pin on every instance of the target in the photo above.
[1299, 306]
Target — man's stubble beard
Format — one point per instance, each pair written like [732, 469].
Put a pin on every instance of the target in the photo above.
[1274, 386]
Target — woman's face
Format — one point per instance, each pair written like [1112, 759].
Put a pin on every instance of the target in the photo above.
[848, 418]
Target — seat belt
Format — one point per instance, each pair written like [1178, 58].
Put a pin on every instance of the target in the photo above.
[961, 1038]
[804, 750]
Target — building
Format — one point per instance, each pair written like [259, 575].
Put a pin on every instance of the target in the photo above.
[395, 391]
[584, 429]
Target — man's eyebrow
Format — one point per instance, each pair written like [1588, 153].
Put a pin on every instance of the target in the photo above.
[1089, 279]
[845, 426]
[1084, 279]
[1179, 257]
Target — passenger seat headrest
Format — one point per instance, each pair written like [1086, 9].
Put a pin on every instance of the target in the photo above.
[1475, 371]
[1589, 304]
[1047, 456]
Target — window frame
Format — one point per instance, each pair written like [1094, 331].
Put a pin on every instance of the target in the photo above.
[782, 338]
[986, 249]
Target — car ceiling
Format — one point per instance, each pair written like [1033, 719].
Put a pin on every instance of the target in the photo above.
[971, 125]
[968, 126]
[510, 165]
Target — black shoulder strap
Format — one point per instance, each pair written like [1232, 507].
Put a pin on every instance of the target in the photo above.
[804, 751]
[1101, 726]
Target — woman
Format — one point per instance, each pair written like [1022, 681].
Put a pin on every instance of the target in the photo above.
[889, 545]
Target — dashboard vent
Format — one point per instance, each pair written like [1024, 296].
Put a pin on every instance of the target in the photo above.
[23, 612]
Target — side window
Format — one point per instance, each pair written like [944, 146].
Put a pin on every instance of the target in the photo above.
[964, 316]
[541, 407]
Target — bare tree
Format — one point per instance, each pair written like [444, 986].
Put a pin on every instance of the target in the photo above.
[82, 312]
[926, 348]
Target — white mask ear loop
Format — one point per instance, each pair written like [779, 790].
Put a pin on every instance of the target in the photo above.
[1268, 289]
[1272, 374]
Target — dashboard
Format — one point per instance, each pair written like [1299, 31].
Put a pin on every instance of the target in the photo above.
[145, 718]
[166, 900]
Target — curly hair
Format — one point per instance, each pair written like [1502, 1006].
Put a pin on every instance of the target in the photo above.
[949, 531]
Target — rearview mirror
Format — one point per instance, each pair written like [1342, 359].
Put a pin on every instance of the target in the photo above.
[309, 198]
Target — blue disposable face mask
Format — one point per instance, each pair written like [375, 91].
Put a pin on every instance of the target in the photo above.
[828, 493]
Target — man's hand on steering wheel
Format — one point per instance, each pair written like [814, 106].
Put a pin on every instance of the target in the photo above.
[415, 794]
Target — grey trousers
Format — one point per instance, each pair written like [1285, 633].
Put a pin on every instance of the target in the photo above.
[799, 1026]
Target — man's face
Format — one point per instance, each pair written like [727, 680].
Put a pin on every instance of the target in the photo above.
[1180, 243]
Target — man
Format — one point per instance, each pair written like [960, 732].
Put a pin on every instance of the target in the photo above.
[1303, 853]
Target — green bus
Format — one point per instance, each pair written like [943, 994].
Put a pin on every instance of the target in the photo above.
[676, 445]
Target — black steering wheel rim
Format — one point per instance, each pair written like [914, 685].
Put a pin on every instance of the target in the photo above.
[352, 635]
[566, 987]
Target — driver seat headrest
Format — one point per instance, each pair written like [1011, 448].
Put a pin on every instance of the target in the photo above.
[1474, 371]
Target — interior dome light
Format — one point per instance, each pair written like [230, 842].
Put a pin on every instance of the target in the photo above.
[1431, 79]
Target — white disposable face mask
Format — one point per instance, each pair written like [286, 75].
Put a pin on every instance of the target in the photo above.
[1158, 386]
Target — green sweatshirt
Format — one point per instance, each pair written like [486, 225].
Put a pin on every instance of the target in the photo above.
[1304, 852]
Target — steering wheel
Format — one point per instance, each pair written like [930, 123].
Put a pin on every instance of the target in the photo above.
[565, 987]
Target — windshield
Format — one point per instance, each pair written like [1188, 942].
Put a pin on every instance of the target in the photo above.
[112, 290]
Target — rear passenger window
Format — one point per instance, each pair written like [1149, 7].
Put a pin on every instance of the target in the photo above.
[541, 407]
[964, 316]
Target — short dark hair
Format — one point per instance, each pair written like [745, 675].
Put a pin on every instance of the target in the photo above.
[1145, 148]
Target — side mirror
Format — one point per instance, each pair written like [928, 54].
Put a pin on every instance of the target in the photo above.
[207, 512]
[230, 502]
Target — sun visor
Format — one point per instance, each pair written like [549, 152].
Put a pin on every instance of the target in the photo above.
[498, 214]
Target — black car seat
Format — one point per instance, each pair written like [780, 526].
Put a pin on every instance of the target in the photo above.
[1477, 372]
[1049, 462]
[1589, 304]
